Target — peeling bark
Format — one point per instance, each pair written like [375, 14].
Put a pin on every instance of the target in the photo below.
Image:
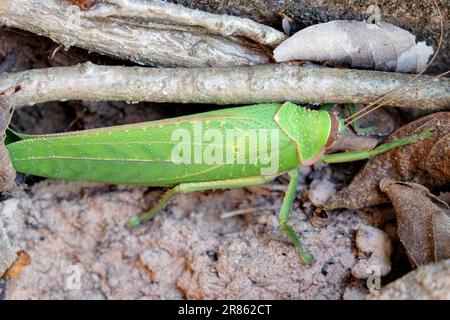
[224, 25]
[147, 44]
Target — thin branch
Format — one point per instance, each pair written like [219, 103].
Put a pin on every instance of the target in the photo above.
[7, 172]
[224, 25]
[234, 213]
[242, 85]
[148, 44]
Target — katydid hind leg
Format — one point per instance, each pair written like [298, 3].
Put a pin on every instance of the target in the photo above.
[286, 207]
[196, 186]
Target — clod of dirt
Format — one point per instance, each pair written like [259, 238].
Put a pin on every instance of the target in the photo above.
[425, 162]
[7, 254]
[320, 191]
[355, 291]
[423, 221]
[429, 282]
[377, 248]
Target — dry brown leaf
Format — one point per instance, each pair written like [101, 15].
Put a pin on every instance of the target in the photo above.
[426, 162]
[441, 231]
[381, 47]
[22, 260]
[423, 221]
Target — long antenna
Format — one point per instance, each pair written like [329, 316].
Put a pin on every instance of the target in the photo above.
[366, 110]
[390, 100]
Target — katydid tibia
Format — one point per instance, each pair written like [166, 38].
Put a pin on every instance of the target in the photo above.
[222, 149]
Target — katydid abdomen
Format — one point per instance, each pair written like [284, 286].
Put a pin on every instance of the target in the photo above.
[225, 144]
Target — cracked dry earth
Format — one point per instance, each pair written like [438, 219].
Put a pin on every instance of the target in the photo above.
[188, 251]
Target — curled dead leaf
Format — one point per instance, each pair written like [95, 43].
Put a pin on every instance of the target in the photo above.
[423, 221]
[17, 268]
[426, 162]
[382, 47]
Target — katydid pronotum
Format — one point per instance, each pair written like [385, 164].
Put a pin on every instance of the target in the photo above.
[169, 153]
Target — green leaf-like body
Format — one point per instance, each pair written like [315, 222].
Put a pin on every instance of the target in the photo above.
[143, 153]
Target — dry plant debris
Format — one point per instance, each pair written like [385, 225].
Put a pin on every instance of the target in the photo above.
[18, 266]
[84, 4]
[169, 13]
[146, 44]
[423, 221]
[358, 44]
[426, 162]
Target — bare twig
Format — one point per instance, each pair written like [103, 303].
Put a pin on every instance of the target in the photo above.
[164, 12]
[7, 172]
[243, 85]
[147, 44]
[234, 213]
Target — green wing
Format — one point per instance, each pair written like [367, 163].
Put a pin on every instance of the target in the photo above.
[142, 153]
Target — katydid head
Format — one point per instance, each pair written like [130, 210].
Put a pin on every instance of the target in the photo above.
[344, 139]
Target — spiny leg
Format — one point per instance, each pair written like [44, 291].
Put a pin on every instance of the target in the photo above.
[306, 258]
[365, 154]
[196, 186]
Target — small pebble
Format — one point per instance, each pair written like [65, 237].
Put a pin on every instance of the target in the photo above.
[320, 191]
[376, 244]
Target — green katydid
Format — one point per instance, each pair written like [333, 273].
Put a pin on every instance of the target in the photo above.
[143, 154]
